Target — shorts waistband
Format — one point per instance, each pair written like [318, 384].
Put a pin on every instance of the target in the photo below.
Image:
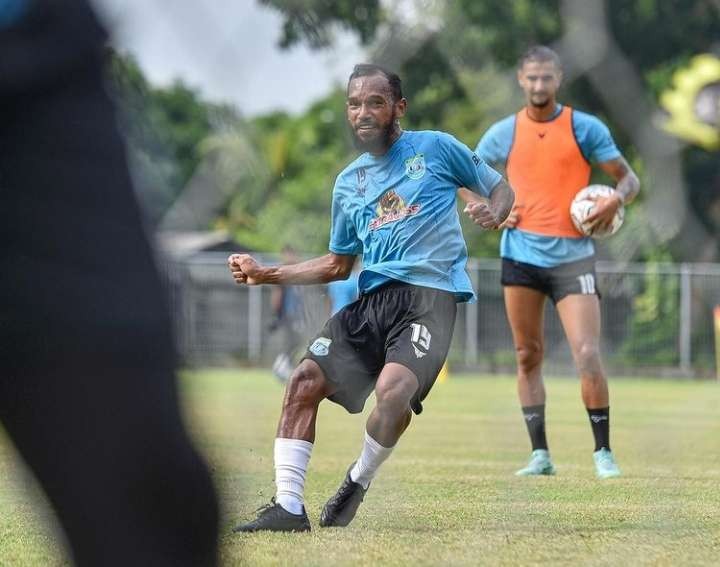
[396, 285]
[390, 286]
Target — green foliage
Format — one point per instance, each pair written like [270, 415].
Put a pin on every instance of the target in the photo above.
[660, 77]
[278, 170]
[282, 193]
[656, 314]
[431, 86]
[657, 37]
[182, 121]
[649, 32]
[501, 30]
[652, 32]
[164, 127]
[654, 36]
[703, 172]
[312, 21]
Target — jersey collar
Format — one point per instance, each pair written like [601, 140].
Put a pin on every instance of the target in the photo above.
[558, 110]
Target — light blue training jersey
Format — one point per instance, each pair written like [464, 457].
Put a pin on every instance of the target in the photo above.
[399, 211]
[342, 293]
[596, 144]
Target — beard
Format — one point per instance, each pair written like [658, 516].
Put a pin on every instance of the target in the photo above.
[379, 142]
[540, 102]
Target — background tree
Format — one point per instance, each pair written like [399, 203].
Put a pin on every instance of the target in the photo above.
[657, 37]
[458, 61]
[312, 21]
[164, 126]
[486, 37]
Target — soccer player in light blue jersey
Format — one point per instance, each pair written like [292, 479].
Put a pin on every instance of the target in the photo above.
[396, 206]
[547, 150]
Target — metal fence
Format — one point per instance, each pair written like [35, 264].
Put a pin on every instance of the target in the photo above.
[657, 319]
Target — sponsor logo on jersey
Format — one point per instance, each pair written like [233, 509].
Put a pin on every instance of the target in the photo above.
[415, 166]
[321, 346]
[391, 208]
[361, 182]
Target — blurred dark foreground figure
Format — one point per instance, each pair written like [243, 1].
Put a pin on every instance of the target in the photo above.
[87, 386]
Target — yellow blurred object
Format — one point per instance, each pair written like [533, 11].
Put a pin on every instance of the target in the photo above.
[716, 313]
[694, 102]
[444, 374]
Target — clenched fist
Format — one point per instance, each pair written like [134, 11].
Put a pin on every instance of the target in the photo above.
[482, 215]
[245, 269]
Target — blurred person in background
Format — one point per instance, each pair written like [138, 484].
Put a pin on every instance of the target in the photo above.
[547, 150]
[88, 393]
[288, 312]
[396, 205]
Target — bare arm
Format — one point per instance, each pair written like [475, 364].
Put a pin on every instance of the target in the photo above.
[501, 201]
[245, 269]
[626, 189]
[489, 213]
[627, 183]
[468, 196]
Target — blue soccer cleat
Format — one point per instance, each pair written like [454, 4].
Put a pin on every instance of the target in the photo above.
[605, 465]
[539, 464]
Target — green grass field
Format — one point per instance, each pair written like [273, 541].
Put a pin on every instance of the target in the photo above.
[447, 496]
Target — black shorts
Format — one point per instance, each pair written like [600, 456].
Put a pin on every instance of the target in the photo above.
[572, 278]
[402, 323]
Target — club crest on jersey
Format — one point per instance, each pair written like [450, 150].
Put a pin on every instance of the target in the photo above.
[321, 346]
[415, 166]
[391, 208]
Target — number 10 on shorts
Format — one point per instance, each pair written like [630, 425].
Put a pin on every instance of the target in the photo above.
[587, 284]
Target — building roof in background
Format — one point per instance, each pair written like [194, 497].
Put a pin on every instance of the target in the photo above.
[186, 243]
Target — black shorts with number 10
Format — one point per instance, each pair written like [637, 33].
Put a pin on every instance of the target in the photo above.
[573, 278]
[402, 323]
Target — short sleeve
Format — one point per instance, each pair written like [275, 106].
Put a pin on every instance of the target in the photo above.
[487, 149]
[594, 138]
[494, 146]
[466, 168]
[343, 236]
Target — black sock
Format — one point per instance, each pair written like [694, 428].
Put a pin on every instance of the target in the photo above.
[535, 421]
[600, 422]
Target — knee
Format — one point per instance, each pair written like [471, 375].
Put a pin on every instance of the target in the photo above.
[396, 395]
[307, 385]
[587, 357]
[529, 356]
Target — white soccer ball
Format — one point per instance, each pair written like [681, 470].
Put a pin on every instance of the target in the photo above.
[583, 205]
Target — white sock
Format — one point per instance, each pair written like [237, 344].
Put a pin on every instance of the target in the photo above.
[373, 455]
[291, 462]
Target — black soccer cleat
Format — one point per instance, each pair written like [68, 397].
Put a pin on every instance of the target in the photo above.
[274, 518]
[340, 510]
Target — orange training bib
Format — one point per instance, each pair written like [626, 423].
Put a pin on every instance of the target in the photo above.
[546, 169]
